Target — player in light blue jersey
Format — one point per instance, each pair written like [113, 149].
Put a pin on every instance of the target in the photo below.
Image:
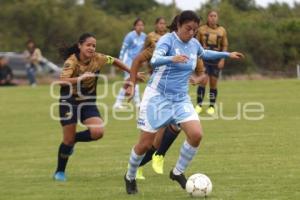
[166, 98]
[132, 45]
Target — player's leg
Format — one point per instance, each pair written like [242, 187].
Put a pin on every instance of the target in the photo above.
[136, 156]
[201, 93]
[64, 151]
[68, 120]
[169, 136]
[149, 153]
[188, 150]
[213, 92]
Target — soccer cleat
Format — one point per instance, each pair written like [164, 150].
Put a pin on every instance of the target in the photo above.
[198, 109]
[158, 163]
[179, 178]
[59, 176]
[210, 110]
[131, 187]
[139, 174]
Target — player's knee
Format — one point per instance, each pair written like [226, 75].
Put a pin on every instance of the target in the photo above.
[196, 137]
[97, 133]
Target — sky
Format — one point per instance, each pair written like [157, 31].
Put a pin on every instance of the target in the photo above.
[195, 4]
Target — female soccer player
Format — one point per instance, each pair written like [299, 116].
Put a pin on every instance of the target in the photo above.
[78, 96]
[174, 60]
[212, 36]
[132, 45]
[166, 135]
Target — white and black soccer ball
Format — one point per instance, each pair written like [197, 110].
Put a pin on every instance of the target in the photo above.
[198, 185]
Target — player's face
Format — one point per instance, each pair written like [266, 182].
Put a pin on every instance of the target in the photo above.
[212, 18]
[139, 27]
[161, 25]
[187, 30]
[88, 47]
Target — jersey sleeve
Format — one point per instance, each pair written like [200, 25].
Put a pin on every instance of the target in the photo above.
[160, 53]
[125, 45]
[103, 60]
[68, 69]
[209, 54]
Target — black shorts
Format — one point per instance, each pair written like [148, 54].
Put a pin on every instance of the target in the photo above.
[70, 113]
[211, 68]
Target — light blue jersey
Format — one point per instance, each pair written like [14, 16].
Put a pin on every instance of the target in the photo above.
[171, 79]
[132, 45]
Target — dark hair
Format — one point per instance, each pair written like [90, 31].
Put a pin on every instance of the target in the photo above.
[65, 51]
[137, 20]
[158, 19]
[173, 26]
[187, 16]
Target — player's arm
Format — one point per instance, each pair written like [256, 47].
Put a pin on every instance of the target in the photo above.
[67, 72]
[159, 56]
[214, 55]
[199, 77]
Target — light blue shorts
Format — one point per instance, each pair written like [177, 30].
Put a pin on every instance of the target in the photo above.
[156, 111]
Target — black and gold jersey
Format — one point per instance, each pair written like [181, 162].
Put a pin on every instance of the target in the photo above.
[73, 67]
[213, 38]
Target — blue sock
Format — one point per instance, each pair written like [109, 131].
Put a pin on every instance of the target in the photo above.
[187, 152]
[134, 163]
[83, 136]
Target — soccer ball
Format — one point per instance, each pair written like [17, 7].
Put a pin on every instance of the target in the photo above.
[198, 185]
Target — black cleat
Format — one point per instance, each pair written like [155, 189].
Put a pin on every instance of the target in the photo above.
[131, 187]
[179, 178]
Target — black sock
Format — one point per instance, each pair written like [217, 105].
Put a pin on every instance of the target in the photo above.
[148, 156]
[213, 96]
[83, 136]
[200, 95]
[168, 138]
[64, 152]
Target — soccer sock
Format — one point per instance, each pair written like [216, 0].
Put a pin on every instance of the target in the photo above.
[64, 152]
[137, 99]
[148, 156]
[134, 162]
[213, 96]
[187, 152]
[83, 136]
[168, 138]
[121, 96]
[200, 95]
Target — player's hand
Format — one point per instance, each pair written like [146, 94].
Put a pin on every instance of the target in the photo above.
[141, 76]
[129, 91]
[86, 75]
[201, 79]
[221, 64]
[180, 59]
[236, 55]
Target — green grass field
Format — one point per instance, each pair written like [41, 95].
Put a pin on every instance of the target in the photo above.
[244, 159]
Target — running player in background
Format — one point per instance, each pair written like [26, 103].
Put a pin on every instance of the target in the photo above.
[212, 36]
[132, 45]
[78, 96]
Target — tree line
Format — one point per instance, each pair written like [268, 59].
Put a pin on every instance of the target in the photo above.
[268, 36]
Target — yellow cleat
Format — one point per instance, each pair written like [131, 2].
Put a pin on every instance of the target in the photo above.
[198, 109]
[139, 174]
[158, 163]
[210, 110]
